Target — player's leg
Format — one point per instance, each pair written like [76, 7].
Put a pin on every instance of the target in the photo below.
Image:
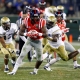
[26, 48]
[52, 61]
[34, 54]
[64, 55]
[6, 58]
[12, 52]
[38, 48]
[70, 48]
[46, 50]
[44, 42]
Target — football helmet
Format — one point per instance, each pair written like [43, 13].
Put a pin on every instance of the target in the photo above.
[59, 16]
[34, 15]
[60, 7]
[51, 21]
[26, 9]
[5, 23]
[52, 9]
[42, 5]
[58, 13]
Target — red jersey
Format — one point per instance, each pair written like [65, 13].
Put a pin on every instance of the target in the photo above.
[37, 26]
[62, 25]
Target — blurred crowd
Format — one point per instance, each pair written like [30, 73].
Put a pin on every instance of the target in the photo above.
[72, 7]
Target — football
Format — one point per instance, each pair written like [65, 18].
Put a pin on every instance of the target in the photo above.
[32, 33]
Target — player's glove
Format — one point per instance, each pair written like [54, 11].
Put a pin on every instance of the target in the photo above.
[33, 34]
[65, 30]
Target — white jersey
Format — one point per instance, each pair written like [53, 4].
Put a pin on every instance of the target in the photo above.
[64, 16]
[56, 30]
[8, 33]
[47, 13]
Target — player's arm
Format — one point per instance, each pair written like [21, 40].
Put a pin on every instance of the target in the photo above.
[2, 41]
[44, 32]
[54, 38]
[22, 30]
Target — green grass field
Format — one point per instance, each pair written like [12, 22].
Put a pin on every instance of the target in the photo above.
[60, 71]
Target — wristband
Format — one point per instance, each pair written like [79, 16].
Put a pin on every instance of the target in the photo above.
[40, 34]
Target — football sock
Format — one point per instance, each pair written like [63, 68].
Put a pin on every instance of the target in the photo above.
[6, 66]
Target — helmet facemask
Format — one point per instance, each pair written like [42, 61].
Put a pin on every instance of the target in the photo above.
[5, 23]
[51, 22]
[34, 16]
[6, 26]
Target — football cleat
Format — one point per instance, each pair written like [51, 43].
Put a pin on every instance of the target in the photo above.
[6, 70]
[76, 66]
[33, 73]
[47, 68]
[11, 73]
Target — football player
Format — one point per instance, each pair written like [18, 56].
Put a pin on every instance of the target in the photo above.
[68, 47]
[23, 14]
[42, 6]
[35, 27]
[7, 29]
[49, 11]
[61, 8]
[55, 42]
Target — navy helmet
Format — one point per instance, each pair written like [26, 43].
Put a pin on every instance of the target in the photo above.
[34, 13]
[58, 13]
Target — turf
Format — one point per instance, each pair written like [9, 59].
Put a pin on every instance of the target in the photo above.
[60, 71]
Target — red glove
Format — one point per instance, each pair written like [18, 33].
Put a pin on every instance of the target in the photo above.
[66, 30]
[32, 33]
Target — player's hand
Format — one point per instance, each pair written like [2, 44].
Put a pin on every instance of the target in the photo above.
[32, 33]
[65, 30]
